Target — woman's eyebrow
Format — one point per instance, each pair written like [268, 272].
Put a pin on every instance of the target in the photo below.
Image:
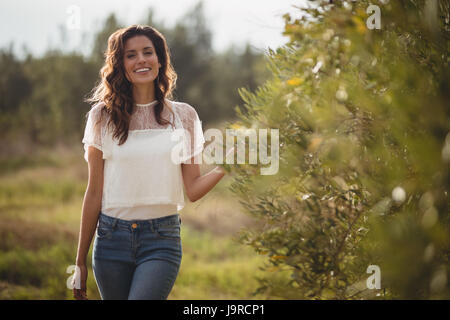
[132, 50]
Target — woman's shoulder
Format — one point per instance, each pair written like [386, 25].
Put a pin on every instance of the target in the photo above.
[98, 109]
[98, 106]
[184, 109]
[98, 114]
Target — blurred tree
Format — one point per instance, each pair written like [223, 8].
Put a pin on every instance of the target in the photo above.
[364, 149]
[209, 80]
[14, 85]
[247, 64]
[229, 71]
[54, 111]
[190, 44]
[199, 33]
[101, 39]
[150, 20]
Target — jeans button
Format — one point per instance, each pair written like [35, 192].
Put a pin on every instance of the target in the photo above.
[134, 225]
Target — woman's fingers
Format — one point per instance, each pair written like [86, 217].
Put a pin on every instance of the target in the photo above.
[79, 283]
[80, 294]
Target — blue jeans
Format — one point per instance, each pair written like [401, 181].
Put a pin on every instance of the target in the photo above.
[136, 260]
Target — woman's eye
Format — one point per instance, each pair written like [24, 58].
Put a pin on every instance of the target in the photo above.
[131, 56]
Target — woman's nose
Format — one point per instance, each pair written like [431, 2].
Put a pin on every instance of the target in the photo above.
[141, 57]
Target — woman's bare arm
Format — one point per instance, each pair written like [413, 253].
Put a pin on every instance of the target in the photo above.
[91, 204]
[197, 186]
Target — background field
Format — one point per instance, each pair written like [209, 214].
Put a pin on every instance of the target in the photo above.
[40, 207]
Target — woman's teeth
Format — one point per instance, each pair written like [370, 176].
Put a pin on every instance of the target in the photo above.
[142, 70]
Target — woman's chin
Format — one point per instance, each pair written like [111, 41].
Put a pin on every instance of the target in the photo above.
[141, 82]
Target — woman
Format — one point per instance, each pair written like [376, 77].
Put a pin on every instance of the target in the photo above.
[135, 186]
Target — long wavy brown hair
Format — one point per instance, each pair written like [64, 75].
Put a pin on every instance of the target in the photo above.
[114, 89]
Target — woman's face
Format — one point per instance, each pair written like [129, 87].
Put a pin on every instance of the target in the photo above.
[140, 60]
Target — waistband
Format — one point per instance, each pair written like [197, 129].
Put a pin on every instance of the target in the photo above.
[127, 224]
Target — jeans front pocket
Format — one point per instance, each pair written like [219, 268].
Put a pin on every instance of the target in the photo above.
[169, 232]
[104, 230]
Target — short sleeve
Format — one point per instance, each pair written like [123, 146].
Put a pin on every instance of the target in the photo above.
[94, 131]
[194, 138]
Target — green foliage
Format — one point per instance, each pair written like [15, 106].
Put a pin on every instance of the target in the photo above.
[359, 112]
[14, 85]
[101, 40]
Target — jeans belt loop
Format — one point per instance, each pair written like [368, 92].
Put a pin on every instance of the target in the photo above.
[114, 224]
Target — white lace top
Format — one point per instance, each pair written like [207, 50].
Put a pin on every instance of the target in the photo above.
[142, 177]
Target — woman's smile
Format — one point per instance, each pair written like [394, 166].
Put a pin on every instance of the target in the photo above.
[142, 71]
[140, 60]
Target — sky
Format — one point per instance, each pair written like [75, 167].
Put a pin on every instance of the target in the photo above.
[37, 24]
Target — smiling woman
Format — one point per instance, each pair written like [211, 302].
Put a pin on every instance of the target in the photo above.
[121, 87]
[135, 190]
[141, 62]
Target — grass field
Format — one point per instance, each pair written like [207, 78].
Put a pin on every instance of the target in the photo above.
[40, 206]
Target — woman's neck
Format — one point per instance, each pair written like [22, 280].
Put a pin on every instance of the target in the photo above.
[143, 94]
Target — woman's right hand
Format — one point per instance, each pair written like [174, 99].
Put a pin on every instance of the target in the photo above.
[79, 283]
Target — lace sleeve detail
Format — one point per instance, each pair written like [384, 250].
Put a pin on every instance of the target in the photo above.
[194, 133]
[94, 132]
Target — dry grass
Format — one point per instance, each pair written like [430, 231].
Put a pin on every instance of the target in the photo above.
[32, 235]
[218, 214]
